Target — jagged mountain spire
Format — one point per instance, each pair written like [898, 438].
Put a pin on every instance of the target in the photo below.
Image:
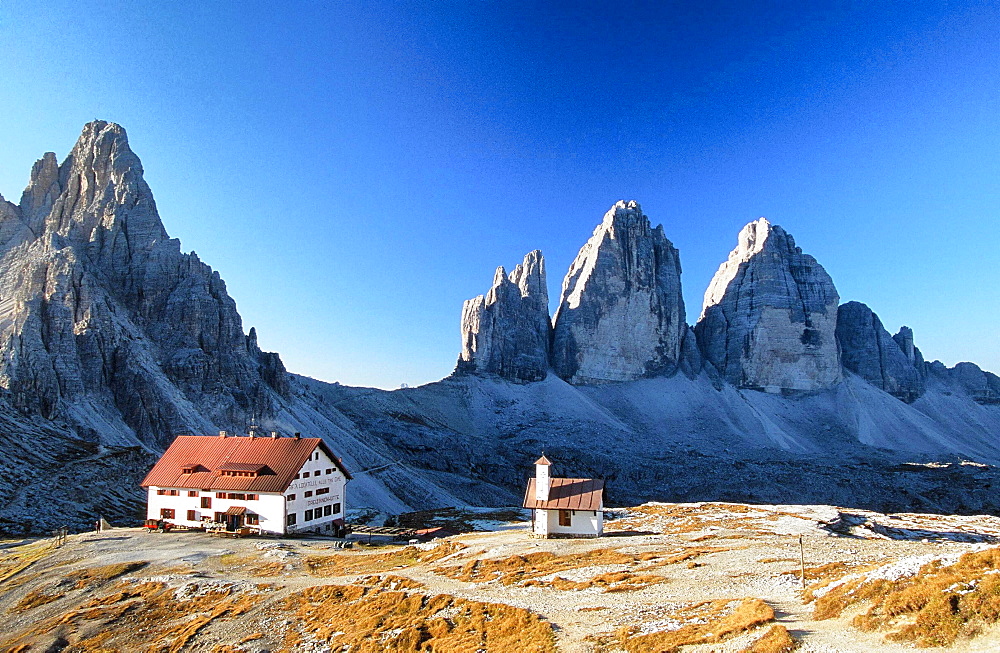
[104, 308]
[506, 332]
[621, 313]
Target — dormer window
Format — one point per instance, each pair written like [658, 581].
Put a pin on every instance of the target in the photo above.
[192, 468]
[244, 470]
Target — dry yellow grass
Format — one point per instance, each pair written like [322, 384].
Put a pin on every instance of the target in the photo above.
[707, 623]
[517, 568]
[385, 616]
[528, 568]
[933, 608]
[683, 555]
[622, 581]
[18, 558]
[158, 620]
[34, 599]
[253, 566]
[93, 575]
[775, 640]
[349, 564]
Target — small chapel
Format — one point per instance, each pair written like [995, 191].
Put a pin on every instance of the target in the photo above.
[564, 507]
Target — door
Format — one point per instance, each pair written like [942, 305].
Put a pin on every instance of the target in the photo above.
[234, 522]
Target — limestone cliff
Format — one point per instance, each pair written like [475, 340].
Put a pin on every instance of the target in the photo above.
[621, 313]
[101, 308]
[770, 315]
[506, 332]
[890, 363]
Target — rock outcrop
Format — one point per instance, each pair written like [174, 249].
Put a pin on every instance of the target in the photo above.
[770, 315]
[983, 387]
[506, 332]
[621, 313]
[891, 363]
[100, 307]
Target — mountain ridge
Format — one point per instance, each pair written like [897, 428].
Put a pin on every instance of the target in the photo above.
[112, 341]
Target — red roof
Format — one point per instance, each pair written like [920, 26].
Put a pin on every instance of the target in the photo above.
[276, 461]
[568, 494]
[543, 461]
[243, 467]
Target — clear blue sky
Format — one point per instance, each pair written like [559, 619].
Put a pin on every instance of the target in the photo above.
[356, 170]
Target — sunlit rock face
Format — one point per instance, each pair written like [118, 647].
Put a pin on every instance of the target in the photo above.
[506, 332]
[102, 310]
[770, 315]
[891, 363]
[621, 314]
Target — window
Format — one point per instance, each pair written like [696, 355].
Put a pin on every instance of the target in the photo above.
[252, 497]
[329, 471]
[169, 493]
[308, 493]
[252, 520]
[290, 497]
[309, 515]
[565, 518]
[290, 519]
[336, 508]
[206, 502]
[166, 513]
[327, 510]
[305, 474]
[323, 490]
[192, 493]
[220, 516]
[192, 516]
[297, 476]
[220, 495]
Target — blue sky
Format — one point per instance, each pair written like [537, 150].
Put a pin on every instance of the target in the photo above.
[356, 170]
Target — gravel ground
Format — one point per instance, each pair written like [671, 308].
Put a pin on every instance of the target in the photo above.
[758, 557]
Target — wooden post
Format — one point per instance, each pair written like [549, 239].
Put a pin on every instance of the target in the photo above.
[802, 564]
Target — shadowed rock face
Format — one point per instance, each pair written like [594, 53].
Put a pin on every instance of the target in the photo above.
[891, 363]
[982, 387]
[506, 332]
[621, 314]
[101, 306]
[770, 315]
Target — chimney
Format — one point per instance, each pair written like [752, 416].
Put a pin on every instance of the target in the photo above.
[223, 434]
[274, 435]
[542, 481]
[297, 435]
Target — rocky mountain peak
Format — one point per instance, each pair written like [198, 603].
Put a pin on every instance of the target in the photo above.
[42, 191]
[621, 313]
[103, 308]
[529, 277]
[770, 315]
[506, 332]
[890, 363]
[101, 189]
